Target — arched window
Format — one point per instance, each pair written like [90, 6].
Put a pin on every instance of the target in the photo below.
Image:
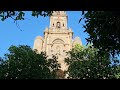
[58, 24]
[58, 41]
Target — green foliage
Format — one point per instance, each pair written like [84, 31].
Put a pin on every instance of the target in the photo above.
[23, 63]
[86, 63]
[19, 15]
[117, 75]
[103, 29]
[41, 13]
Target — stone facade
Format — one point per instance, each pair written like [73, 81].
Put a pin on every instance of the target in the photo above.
[58, 38]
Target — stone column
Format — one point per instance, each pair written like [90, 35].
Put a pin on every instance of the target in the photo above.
[45, 39]
[71, 36]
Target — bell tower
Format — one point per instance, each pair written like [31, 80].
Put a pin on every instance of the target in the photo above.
[58, 38]
[58, 20]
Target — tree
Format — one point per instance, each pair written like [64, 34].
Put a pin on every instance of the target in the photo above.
[86, 63]
[24, 63]
[103, 28]
[19, 15]
[117, 75]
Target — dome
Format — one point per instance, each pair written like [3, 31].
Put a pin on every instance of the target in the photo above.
[77, 40]
[39, 37]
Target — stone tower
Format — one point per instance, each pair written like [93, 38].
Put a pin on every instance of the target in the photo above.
[58, 38]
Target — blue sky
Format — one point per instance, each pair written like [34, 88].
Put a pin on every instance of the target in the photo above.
[31, 27]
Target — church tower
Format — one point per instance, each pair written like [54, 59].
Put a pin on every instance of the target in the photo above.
[57, 38]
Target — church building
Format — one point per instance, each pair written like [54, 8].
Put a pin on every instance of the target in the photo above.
[58, 38]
